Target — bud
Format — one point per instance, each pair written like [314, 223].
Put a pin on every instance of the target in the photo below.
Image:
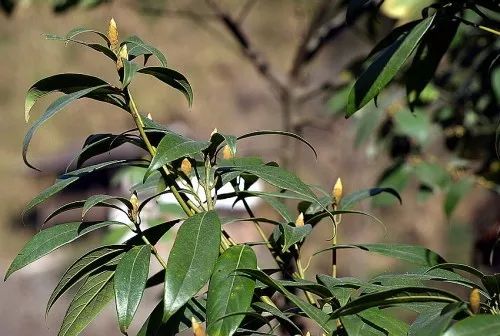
[113, 36]
[308, 333]
[122, 54]
[197, 328]
[135, 207]
[149, 116]
[300, 220]
[337, 191]
[227, 153]
[213, 132]
[475, 301]
[186, 167]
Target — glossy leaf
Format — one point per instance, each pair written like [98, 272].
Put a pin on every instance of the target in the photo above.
[385, 67]
[95, 46]
[348, 200]
[91, 298]
[137, 47]
[476, 325]
[153, 234]
[192, 259]
[172, 78]
[292, 235]
[50, 191]
[83, 267]
[53, 109]
[129, 71]
[435, 322]
[51, 239]
[373, 322]
[172, 147]
[278, 314]
[129, 283]
[411, 253]
[393, 297]
[229, 292]
[95, 200]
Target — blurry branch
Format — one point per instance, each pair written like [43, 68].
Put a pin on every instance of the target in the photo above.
[245, 10]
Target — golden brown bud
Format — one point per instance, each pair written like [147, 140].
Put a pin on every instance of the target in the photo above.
[227, 153]
[300, 220]
[197, 328]
[123, 54]
[186, 167]
[475, 301]
[337, 191]
[114, 44]
[135, 207]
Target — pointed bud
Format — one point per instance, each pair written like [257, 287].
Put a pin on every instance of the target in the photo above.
[149, 116]
[123, 54]
[197, 328]
[300, 220]
[475, 301]
[308, 333]
[135, 207]
[337, 191]
[213, 132]
[227, 153]
[186, 167]
[114, 44]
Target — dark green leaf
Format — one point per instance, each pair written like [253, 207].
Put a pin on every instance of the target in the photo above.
[137, 47]
[129, 283]
[191, 260]
[292, 234]
[172, 78]
[91, 298]
[82, 267]
[129, 71]
[55, 107]
[434, 322]
[373, 321]
[278, 314]
[95, 46]
[172, 147]
[153, 234]
[229, 292]
[50, 191]
[476, 325]
[360, 195]
[461, 267]
[51, 239]
[385, 67]
[95, 200]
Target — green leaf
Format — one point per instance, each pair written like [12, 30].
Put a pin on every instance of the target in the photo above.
[95, 200]
[172, 147]
[129, 71]
[91, 298]
[476, 325]
[432, 174]
[83, 267]
[153, 234]
[229, 292]
[278, 314]
[348, 200]
[435, 322]
[50, 191]
[393, 297]
[51, 239]
[385, 67]
[411, 253]
[415, 125]
[373, 321]
[54, 108]
[82, 30]
[129, 283]
[172, 78]
[137, 47]
[343, 288]
[292, 234]
[455, 193]
[191, 260]
[95, 46]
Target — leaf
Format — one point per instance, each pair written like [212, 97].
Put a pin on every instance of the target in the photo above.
[172, 147]
[373, 321]
[95, 200]
[393, 297]
[91, 298]
[278, 314]
[54, 108]
[435, 322]
[153, 234]
[360, 195]
[95, 46]
[229, 292]
[191, 260]
[172, 78]
[129, 71]
[129, 283]
[385, 67]
[292, 234]
[51, 239]
[415, 125]
[137, 47]
[476, 325]
[83, 267]
[455, 193]
[50, 191]
[411, 253]
[432, 174]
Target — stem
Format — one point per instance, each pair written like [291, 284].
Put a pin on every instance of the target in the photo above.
[300, 271]
[336, 219]
[152, 151]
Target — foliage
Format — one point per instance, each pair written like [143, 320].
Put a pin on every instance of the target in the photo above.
[208, 277]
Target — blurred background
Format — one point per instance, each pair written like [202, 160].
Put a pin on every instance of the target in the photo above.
[254, 65]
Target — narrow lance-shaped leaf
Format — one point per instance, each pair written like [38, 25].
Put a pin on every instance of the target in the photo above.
[229, 292]
[385, 67]
[51, 239]
[137, 47]
[50, 191]
[129, 283]
[475, 325]
[191, 260]
[54, 108]
[91, 298]
[360, 195]
[292, 235]
[172, 78]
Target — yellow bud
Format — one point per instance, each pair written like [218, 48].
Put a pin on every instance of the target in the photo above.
[300, 220]
[149, 116]
[197, 328]
[122, 54]
[214, 131]
[114, 44]
[227, 153]
[337, 191]
[186, 167]
[308, 333]
[475, 301]
[135, 207]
